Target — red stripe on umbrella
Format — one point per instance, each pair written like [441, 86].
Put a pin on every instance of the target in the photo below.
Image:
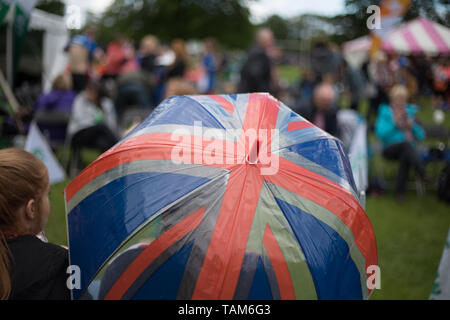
[223, 102]
[279, 265]
[158, 246]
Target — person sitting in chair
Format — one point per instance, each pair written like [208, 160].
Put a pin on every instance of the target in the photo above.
[52, 109]
[93, 122]
[399, 131]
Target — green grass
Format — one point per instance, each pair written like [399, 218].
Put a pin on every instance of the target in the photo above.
[289, 73]
[56, 229]
[410, 240]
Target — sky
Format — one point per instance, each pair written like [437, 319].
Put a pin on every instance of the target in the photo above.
[259, 9]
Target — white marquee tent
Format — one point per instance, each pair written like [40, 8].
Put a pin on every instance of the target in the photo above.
[56, 35]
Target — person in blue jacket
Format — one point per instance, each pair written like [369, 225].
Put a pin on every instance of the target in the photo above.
[397, 128]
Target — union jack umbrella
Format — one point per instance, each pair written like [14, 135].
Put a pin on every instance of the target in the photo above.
[220, 197]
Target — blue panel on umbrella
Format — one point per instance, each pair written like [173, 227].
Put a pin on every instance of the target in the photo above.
[333, 271]
[106, 217]
[164, 282]
[260, 289]
[184, 111]
[329, 154]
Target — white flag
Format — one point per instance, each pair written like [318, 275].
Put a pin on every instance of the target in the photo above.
[37, 145]
[441, 286]
[358, 157]
[353, 134]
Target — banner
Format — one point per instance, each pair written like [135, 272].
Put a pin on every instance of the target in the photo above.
[37, 145]
[441, 286]
[392, 12]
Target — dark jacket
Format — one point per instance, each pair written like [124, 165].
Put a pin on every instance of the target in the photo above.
[307, 110]
[38, 269]
[177, 69]
[256, 72]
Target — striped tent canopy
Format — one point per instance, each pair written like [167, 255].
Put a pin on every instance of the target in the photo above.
[277, 217]
[418, 36]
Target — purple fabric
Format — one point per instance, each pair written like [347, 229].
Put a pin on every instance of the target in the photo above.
[55, 100]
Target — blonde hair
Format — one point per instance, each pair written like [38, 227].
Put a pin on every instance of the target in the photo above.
[22, 177]
[62, 82]
[179, 87]
[398, 90]
[149, 44]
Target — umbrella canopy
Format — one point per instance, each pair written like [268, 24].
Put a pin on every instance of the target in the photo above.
[220, 197]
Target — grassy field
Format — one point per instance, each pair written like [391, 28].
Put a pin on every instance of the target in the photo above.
[410, 239]
[410, 236]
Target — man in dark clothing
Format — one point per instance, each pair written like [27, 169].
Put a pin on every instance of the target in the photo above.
[321, 109]
[256, 73]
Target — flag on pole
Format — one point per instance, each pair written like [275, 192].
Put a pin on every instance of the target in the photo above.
[37, 145]
[392, 12]
[4, 8]
[22, 15]
[441, 286]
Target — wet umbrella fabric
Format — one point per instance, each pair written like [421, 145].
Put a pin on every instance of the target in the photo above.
[182, 209]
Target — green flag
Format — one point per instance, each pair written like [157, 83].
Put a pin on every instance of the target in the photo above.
[21, 19]
[4, 8]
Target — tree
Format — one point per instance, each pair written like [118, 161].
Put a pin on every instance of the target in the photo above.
[436, 10]
[278, 25]
[226, 20]
[308, 28]
[52, 6]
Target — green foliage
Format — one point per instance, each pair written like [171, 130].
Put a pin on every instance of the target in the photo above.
[436, 10]
[349, 25]
[52, 6]
[278, 25]
[226, 20]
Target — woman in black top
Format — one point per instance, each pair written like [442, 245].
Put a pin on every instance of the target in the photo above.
[178, 67]
[29, 267]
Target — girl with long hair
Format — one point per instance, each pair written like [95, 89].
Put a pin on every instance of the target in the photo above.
[29, 267]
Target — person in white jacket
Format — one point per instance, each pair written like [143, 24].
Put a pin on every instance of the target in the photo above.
[93, 122]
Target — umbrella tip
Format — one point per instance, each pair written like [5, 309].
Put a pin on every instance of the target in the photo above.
[252, 156]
